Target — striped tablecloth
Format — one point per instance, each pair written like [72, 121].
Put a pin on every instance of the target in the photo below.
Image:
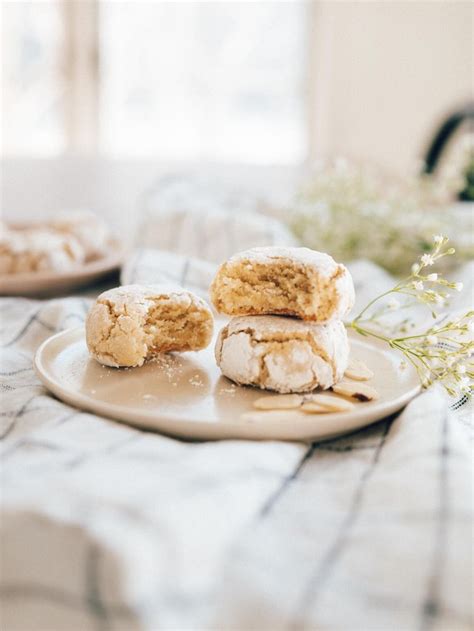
[107, 527]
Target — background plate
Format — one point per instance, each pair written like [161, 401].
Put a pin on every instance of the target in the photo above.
[186, 395]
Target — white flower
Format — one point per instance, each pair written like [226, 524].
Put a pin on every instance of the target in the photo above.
[432, 277]
[439, 299]
[427, 259]
[464, 384]
[470, 326]
[415, 268]
[461, 369]
[418, 285]
[432, 340]
[458, 286]
[438, 238]
[393, 304]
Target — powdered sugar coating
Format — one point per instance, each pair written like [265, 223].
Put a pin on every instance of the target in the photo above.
[139, 298]
[322, 262]
[40, 250]
[282, 354]
[89, 229]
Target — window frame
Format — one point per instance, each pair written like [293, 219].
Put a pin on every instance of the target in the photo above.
[81, 80]
[81, 53]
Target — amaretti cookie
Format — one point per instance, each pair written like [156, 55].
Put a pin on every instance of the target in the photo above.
[23, 251]
[89, 229]
[288, 281]
[282, 354]
[130, 324]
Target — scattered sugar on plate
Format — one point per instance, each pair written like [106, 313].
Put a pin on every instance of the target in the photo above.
[196, 381]
[169, 365]
[230, 390]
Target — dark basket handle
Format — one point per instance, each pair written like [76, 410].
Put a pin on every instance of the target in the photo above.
[444, 133]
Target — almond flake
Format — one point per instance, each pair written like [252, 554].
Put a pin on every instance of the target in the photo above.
[330, 403]
[359, 391]
[358, 371]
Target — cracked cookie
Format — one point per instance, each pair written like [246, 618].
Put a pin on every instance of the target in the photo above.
[287, 281]
[130, 324]
[282, 354]
[89, 229]
[23, 251]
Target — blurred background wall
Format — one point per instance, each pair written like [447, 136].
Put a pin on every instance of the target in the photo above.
[385, 74]
[101, 96]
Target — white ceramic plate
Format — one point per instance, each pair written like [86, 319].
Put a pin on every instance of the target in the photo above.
[51, 283]
[186, 395]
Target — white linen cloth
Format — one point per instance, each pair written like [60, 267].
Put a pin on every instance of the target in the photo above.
[214, 234]
[104, 526]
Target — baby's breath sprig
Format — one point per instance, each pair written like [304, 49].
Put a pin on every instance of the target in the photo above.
[444, 351]
[390, 221]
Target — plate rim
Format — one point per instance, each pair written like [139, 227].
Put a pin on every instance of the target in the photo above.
[191, 428]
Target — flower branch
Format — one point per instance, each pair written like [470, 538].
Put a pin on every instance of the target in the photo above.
[444, 351]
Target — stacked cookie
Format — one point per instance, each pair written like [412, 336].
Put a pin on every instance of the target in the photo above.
[286, 333]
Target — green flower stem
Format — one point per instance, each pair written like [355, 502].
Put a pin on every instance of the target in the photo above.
[451, 366]
[367, 307]
[368, 332]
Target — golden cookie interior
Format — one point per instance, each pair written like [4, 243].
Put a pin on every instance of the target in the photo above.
[283, 281]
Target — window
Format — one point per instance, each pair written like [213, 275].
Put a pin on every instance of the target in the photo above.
[33, 86]
[168, 80]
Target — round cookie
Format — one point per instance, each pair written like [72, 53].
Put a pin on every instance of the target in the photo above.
[88, 228]
[282, 354]
[288, 281]
[39, 250]
[130, 324]
[12, 244]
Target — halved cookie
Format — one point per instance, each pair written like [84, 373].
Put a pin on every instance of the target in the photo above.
[282, 354]
[130, 324]
[286, 281]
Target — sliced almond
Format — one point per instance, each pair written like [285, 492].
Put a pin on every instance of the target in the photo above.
[278, 402]
[314, 408]
[359, 391]
[330, 403]
[358, 371]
